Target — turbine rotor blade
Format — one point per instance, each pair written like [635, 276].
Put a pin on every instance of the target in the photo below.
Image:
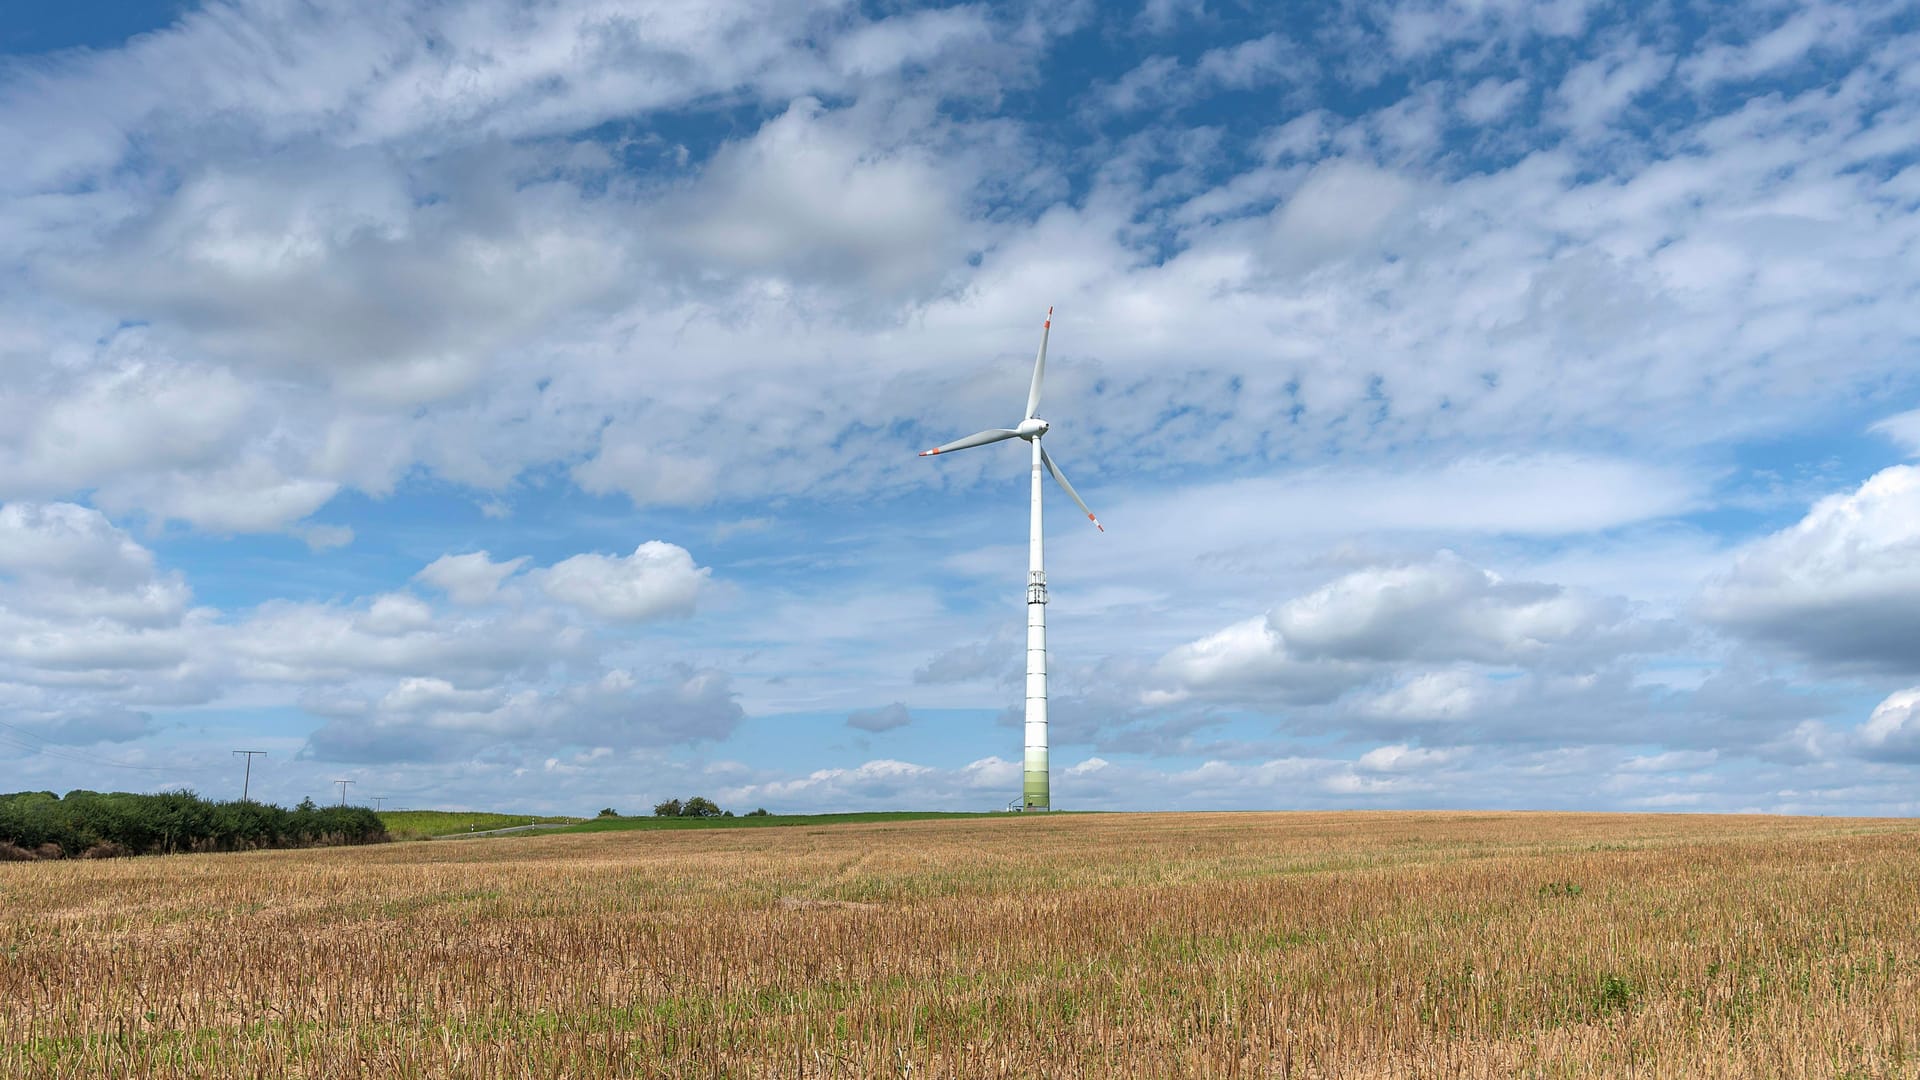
[978, 438]
[1062, 478]
[1039, 367]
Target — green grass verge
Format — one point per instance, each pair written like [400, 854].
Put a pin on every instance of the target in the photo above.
[621, 824]
[420, 824]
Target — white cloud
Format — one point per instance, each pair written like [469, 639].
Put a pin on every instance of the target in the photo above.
[916, 38]
[472, 578]
[1594, 93]
[1805, 30]
[1490, 99]
[1892, 733]
[393, 635]
[1903, 429]
[1511, 496]
[1452, 695]
[251, 495]
[648, 477]
[1443, 611]
[824, 195]
[1161, 16]
[1403, 759]
[1841, 585]
[130, 413]
[70, 542]
[659, 580]
[1164, 81]
[396, 614]
[1339, 211]
[298, 267]
[75, 589]
[1447, 610]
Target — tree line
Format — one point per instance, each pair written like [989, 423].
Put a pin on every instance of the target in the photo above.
[42, 825]
[698, 806]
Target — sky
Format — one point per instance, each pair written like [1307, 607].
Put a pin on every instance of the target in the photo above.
[508, 405]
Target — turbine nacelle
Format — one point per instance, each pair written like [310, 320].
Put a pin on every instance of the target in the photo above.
[1029, 429]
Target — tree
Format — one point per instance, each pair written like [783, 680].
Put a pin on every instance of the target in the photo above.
[609, 812]
[670, 808]
[761, 812]
[699, 807]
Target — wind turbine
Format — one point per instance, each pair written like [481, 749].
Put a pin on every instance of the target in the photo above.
[1035, 781]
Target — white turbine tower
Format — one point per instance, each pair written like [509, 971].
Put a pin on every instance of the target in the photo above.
[1035, 783]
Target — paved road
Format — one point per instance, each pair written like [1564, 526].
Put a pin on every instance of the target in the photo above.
[503, 832]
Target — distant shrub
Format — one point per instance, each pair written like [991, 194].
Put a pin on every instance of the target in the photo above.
[760, 812]
[609, 812]
[696, 807]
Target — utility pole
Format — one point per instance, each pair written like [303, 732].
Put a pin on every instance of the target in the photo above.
[377, 800]
[246, 780]
[343, 790]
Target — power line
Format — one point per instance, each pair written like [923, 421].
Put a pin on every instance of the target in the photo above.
[343, 790]
[48, 748]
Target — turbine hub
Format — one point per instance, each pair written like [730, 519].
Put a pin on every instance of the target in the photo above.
[1032, 428]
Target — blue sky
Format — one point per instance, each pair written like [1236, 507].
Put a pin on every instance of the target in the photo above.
[506, 405]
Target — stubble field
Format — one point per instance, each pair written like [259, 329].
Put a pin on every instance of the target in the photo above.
[1300, 945]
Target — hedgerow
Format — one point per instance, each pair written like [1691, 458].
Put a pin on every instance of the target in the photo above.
[43, 825]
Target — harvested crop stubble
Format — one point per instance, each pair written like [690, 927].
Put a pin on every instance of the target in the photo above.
[1221, 945]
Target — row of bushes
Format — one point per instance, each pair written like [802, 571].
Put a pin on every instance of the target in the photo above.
[40, 824]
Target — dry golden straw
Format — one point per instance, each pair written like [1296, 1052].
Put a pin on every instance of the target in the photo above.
[1215, 945]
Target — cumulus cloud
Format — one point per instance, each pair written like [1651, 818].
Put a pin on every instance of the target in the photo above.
[1892, 733]
[429, 719]
[254, 494]
[335, 266]
[69, 542]
[472, 578]
[1317, 646]
[83, 607]
[811, 196]
[659, 580]
[127, 412]
[1841, 585]
[647, 476]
